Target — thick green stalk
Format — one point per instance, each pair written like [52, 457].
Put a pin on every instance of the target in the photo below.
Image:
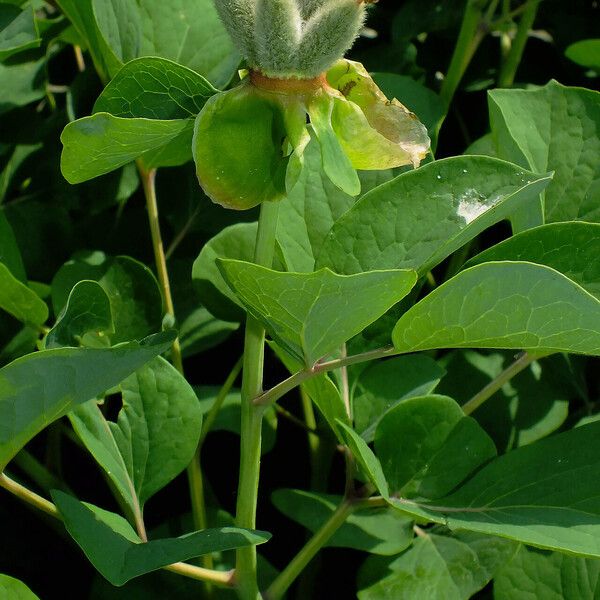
[513, 59]
[252, 381]
[469, 38]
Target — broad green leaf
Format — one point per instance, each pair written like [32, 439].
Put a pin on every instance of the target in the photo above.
[135, 298]
[238, 242]
[84, 319]
[421, 217]
[10, 255]
[544, 495]
[229, 416]
[19, 300]
[39, 388]
[18, 30]
[512, 305]
[572, 248]
[22, 83]
[534, 128]
[383, 384]
[99, 144]
[551, 575]
[534, 404]
[422, 101]
[188, 32]
[312, 207]
[311, 315]
[13, 589]
[155, 435]
[155, 88]
[585, 53]
[116, 551]
[440, 567]
[378, 531]
[427, 446]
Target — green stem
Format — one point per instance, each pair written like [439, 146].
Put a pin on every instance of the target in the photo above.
[252, 381]
[513, 59]
[218, 403]
[287, 385]
[491, 388]
[148, 177]
[469, 38]
[283, 581]
[28, 496]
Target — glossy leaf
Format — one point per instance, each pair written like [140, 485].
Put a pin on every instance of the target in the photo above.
[155, 435]
[188, 32]
[39, 388]
[133, 292]
[421, 217]
[116, 551]
[571, 248]
[101, 143]
[19, 300]
[155, 88]
[311, 315]
[441, 567]
[378, 531]
[544, 495]
[427, 446]
[512, 305]
[384, 384]
[18, 30]
[14, 589]
[534, 128]
[87, 312]
[553, 575]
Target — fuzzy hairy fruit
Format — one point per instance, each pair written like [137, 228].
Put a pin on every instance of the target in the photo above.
[249, 141]
[292, 38]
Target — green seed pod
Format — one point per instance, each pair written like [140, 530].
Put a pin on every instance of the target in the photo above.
[238, 16]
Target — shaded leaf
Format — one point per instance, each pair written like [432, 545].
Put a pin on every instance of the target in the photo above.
[441, 567]
[585, 53]
[87, 312]
[155, 435]
[378, 531]
[114, 548]
[19, 300]
[18, 30]
[39, 388]
[551, 575]
[10, 255]
[383, 384]
[427, 446]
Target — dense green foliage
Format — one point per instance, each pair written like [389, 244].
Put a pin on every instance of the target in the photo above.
[393, 341]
